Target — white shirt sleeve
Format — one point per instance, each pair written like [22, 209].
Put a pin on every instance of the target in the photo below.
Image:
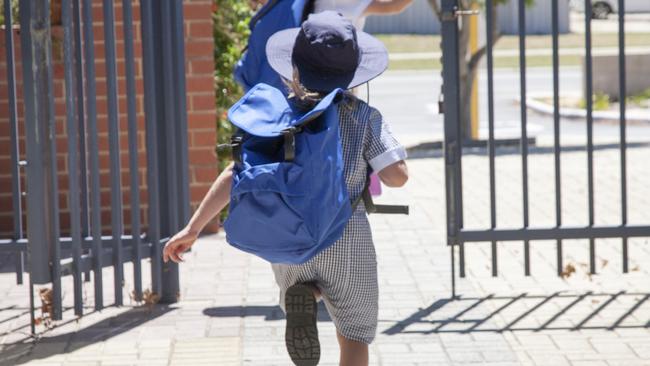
[381, 149]
[390, 157]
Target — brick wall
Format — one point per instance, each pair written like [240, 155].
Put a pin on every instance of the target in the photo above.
[200, 104]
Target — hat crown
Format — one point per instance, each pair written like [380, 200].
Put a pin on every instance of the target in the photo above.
[327, 42]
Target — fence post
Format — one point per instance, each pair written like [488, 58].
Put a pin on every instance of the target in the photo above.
[164, 104]
[451, 93]
[42, 200]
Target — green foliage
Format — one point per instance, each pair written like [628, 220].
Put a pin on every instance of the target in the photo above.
[230, 37]
[14, 11]
[640, 99]
[601, 102]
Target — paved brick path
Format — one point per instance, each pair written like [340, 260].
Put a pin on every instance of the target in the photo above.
[229, 314]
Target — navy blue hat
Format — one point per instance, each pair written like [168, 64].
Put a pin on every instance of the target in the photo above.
[328, 52]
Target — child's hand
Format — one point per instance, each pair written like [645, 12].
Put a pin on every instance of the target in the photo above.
[178, 244]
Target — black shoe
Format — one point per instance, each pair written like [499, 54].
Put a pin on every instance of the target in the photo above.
[301, 335]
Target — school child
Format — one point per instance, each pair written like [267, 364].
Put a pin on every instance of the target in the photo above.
[327, 53]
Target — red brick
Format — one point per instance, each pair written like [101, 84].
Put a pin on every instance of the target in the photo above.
[202, 120]
[199, 48]
[203, 139]
[203, 102]
[198, 192]
[200, 29]
[205, 174]
[197, 10]
[201, 84]
[202, 156]
[202, 67]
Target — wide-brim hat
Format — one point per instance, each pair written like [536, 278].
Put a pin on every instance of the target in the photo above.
[328, 52]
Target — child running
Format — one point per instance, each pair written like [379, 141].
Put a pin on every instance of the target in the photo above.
[326, 53]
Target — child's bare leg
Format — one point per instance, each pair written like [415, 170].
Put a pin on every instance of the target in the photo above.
[353, 353]
[316, 292]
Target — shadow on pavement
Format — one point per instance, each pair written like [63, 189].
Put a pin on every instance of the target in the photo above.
[270, 313]
[21, 352]
[465, 318]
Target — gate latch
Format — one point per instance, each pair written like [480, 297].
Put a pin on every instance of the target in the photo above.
[453, 15]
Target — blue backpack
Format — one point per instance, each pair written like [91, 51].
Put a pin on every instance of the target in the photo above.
[289, 200]
[275, 15]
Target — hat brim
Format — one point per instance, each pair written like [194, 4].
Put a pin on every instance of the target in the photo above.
[373, 62]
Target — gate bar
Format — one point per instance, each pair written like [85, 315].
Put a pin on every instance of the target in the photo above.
[590, 133]
[169, 114]
[170, 269]
[559, 233]
[452, 145]
[489, 21]
[179, 131]
[148, 66]
[181, 117]
[95, 202]
[524, 127]
[556, 130]
[81, 115]
[134, 177]
[73, 153]
[41, 138]
[622, 83]
[15, 151]
[45, 96]
[114, 149]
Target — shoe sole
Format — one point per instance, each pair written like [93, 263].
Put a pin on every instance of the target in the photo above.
[301, 334]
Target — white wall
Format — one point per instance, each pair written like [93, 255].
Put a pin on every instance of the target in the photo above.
[420, 19]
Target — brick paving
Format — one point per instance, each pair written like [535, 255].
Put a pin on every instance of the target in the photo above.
[228, 313]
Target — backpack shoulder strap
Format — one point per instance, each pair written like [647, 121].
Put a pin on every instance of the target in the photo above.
[307, 9]
[379, 209]
[262, 12]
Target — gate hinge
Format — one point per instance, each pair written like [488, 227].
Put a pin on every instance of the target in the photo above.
[453, 15]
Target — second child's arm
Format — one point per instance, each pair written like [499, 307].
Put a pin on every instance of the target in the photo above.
[386, 7]
[214, 201]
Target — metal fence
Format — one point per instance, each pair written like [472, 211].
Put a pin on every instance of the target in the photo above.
[42, 251]
[458, 236]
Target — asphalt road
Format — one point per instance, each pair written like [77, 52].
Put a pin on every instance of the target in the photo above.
[409, 100]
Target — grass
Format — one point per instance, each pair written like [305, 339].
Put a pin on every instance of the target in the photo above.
[499, 62]
[431, 43]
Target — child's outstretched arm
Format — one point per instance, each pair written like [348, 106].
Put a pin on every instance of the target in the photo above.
[214, 201]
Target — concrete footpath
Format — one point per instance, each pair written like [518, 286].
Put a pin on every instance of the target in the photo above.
[229, 314]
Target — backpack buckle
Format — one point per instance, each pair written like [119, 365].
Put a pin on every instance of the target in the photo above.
[234, 146]
[289, 136]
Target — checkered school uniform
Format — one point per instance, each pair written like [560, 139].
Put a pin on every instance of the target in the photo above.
[346, 272]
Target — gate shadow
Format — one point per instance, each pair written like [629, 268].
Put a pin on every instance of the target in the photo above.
[270, 313]
[430, 320]
[31, 349]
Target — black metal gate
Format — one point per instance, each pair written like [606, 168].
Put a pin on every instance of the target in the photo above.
[42, 251]
[458, 236]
